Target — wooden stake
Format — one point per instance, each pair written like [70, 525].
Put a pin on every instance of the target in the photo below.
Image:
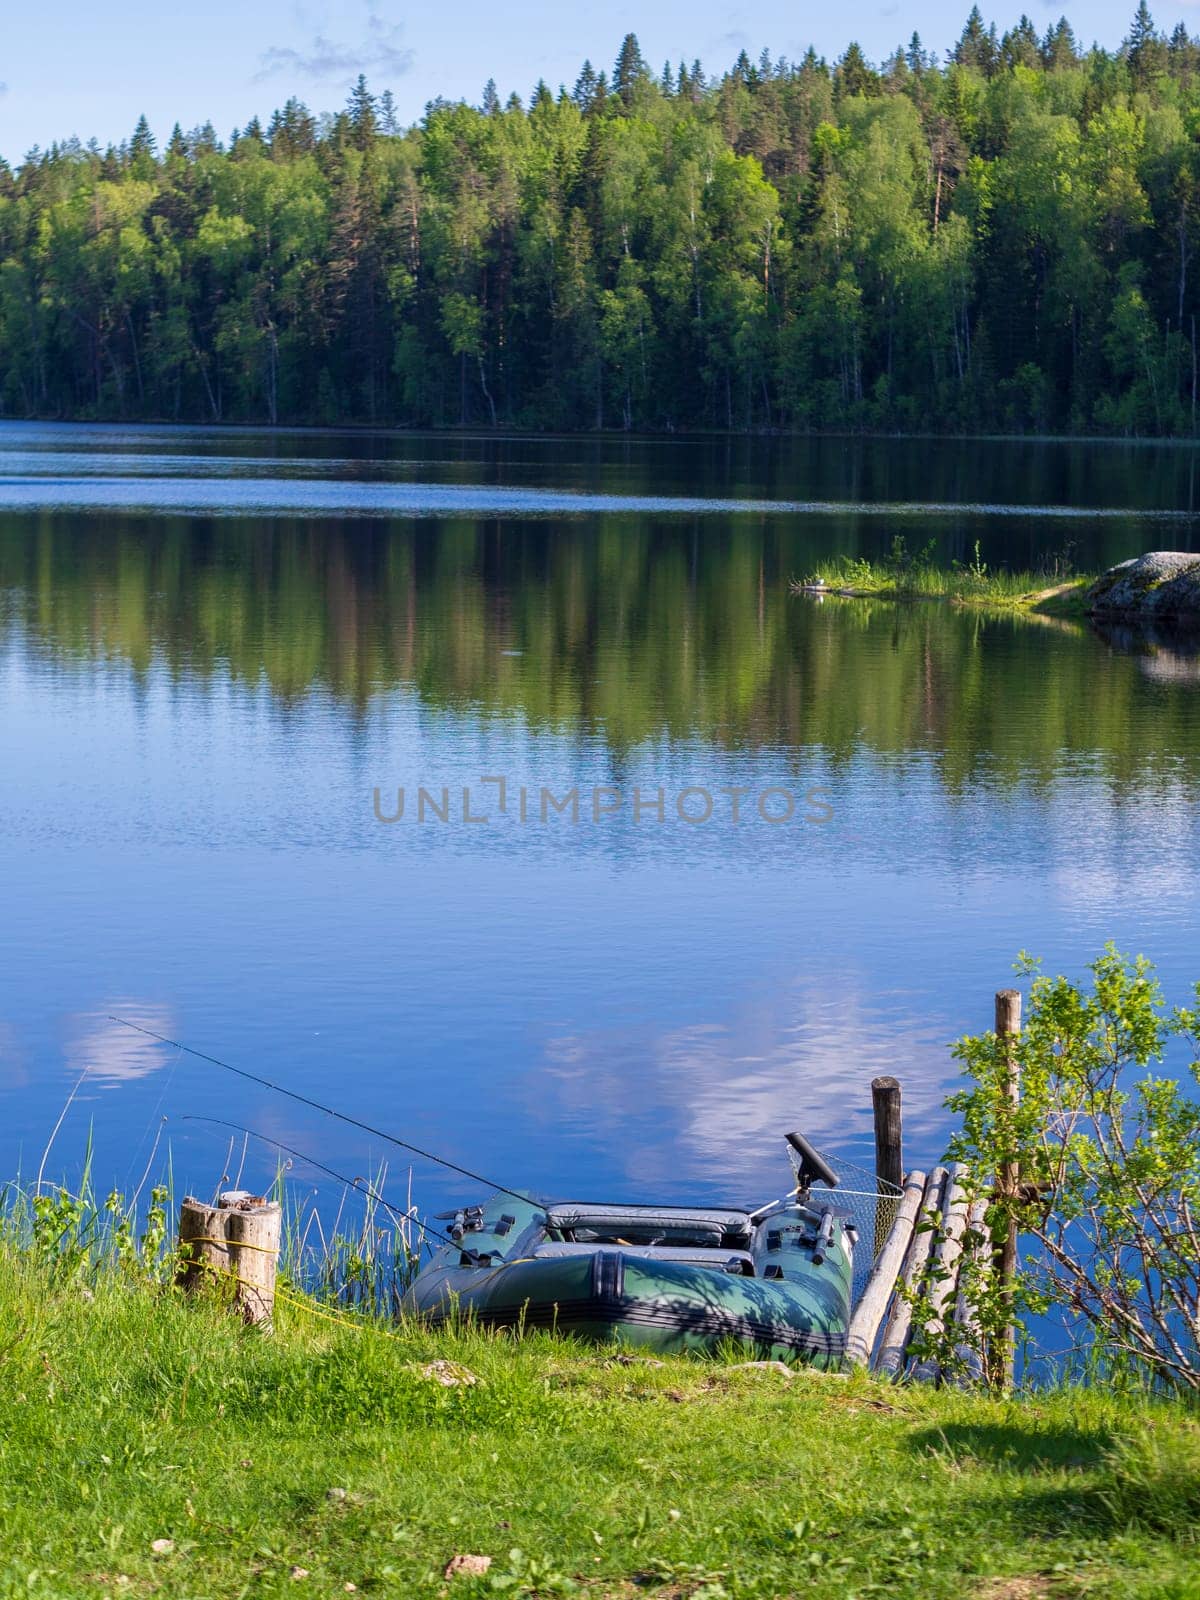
[1003, 1356]
[868, 1313]
[889, 1154]
[894, 1346]
[203, 1249]
[233, 1246]
[253, 1228]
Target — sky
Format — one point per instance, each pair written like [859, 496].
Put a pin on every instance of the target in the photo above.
[90, 71]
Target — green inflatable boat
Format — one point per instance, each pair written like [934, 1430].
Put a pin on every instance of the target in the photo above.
[775, 1281]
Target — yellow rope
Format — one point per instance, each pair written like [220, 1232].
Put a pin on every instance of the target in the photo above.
[287, 1298]
[228, 1244]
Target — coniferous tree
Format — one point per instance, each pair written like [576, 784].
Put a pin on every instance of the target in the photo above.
[360, 109]
[1059, 50]
[629, 74]
[1145, 48]
[854, 75]
[586, 91]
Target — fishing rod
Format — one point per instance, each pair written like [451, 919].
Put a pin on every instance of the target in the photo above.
[328, 1111]
[350, 1183]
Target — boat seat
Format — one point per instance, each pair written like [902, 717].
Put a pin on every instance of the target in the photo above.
[739, 1261]
[677, 1225]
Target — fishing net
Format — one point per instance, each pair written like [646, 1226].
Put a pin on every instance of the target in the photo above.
[862, 1201]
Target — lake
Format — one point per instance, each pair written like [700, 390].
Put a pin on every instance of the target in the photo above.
[754, 849]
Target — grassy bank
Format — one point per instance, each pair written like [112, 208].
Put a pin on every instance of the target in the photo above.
[323, 1457]
[904, 575]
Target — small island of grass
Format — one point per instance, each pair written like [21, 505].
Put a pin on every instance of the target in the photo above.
[915, 575]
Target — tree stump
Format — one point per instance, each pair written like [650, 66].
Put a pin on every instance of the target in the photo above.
[233, 1246]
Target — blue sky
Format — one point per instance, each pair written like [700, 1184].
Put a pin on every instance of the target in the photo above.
[90, 70]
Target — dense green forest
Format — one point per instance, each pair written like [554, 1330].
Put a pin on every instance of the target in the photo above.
[1003, 240]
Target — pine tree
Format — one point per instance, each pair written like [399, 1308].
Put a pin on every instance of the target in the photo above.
[1183, 55]
[1059, 50]
[854, 76]
[977, 46]
[630, 73]
[584, 92]
[360, 108]
[1019, 47]
[141, 151]
[490, 104]
[389, 121]
[1145, 49]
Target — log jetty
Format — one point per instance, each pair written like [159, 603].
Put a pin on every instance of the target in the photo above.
[923, 1288]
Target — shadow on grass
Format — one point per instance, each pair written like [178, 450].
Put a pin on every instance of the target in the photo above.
[1019, 1447]
[1057, 1478]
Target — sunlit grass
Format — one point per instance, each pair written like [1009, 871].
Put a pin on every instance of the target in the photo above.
[151, 1444]
[916, 575]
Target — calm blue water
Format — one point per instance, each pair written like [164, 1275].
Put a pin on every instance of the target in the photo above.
[215, 647]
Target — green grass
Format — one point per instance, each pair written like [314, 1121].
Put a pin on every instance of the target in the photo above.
[905, 575]
[130, 1416]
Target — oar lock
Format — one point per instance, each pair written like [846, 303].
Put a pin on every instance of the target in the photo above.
[467, 1219]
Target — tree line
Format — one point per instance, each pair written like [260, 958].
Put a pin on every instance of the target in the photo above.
[1001, 240]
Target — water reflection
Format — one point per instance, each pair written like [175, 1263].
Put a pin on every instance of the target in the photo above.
[615, 630]
[196, 710]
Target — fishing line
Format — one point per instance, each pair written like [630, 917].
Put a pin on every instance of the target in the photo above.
[351, 1183]
[328, 1111]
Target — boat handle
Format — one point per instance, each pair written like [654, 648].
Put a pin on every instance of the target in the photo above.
[824, 1237]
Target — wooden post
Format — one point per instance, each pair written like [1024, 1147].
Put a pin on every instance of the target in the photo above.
[233, 1245]
[1003, 1357]
[203, 1249]
[253, 1227]
[889, 1154]
[873, 1302]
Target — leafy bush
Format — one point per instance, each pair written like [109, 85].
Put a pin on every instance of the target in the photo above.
[1108, 1157]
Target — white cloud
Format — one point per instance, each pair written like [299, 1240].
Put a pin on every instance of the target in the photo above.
[380, 52]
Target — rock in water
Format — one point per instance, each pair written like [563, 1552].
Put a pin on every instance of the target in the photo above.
[1162, 585]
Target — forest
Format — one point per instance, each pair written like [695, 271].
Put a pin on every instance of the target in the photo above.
[1003, 238]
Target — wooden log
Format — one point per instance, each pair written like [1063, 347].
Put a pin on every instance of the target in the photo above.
[868, 1313]
[894, 1343]
[966, 1310]
[203, 1248]
[889, 1152]
[253, 1227]
[233, 1247]
[944, 1267]
[1008, 1178]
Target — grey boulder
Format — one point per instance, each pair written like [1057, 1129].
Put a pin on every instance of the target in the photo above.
[1162, 585]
